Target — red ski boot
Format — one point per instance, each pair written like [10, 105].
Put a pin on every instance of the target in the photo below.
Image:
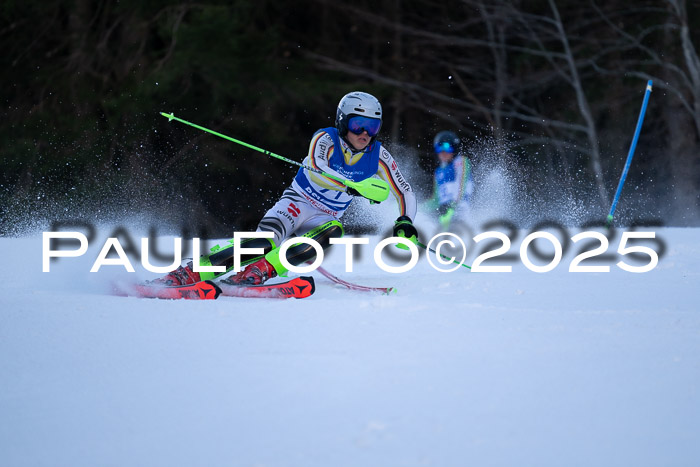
[183, 275]
[255, 273]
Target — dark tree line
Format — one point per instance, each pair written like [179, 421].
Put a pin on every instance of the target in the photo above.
[557, 84]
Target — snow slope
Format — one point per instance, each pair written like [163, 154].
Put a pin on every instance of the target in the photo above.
[498, 369]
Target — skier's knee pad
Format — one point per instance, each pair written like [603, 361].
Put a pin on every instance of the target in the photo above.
[302, 252]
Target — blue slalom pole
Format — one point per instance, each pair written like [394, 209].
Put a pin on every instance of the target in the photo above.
[630, 154]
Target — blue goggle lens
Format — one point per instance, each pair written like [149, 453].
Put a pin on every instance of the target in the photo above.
[444, 147]
[359, 124]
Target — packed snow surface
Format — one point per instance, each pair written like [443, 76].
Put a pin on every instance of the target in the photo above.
[464, 368]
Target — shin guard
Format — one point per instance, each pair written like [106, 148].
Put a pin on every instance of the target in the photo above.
[302, 252]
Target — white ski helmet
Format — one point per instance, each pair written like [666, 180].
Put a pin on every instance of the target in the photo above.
[360, 104]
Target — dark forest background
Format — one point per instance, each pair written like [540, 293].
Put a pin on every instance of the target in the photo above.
[556, 85]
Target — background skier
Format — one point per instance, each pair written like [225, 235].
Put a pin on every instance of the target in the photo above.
[453, 180]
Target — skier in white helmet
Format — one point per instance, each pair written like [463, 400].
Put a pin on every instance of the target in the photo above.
[313, 204]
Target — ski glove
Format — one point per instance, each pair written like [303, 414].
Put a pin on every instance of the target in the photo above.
[403, 227]
[445, 214]
[443, 208]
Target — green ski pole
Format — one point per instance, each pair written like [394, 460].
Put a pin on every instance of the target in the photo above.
[372, 188]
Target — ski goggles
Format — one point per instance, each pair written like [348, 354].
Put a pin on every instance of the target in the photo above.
[358, 124]
[445, 146]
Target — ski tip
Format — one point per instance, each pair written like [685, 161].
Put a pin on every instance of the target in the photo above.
[168, 116]
[205, 290]
[391, 291]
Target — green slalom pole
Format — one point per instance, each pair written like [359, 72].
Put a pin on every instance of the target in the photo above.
[372, 188]
[443, 256]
